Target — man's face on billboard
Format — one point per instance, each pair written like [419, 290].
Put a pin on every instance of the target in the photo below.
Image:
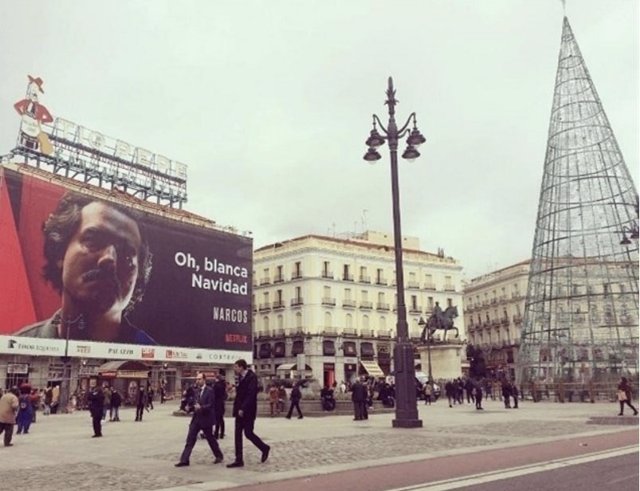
[100, 265]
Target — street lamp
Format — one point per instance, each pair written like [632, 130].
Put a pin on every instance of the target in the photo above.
[406, 403]
[66, 371]
[428, 338]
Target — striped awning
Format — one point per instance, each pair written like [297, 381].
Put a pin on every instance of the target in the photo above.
[372, 368]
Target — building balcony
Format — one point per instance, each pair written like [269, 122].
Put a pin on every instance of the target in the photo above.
[366, 305]
[366, 333]
[517, 319]
[382, 281]
[264, 307]
[429, 286]
[382, 306]
[449, 288]
[296, 301]
[327, 275]
[279, 333]
[265, 281]
[347, 277]
[502, 299]
[413, 284]
[278, 305]
[415, 309]
[494, 301]
[364, 279]
[504, 321]
[384, 334]
[349, 331]
[297, 275]
[349, 304]
[329, 301]
[278, 279]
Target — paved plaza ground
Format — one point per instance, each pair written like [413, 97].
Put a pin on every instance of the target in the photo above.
[59, 452]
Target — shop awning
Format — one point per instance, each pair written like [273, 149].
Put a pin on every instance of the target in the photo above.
[123, 369]
[372, 368]
[286, 366]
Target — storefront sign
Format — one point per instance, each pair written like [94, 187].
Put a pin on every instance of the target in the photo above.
[18, 368]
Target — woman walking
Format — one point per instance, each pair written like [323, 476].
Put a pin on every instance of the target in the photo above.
[624, 396]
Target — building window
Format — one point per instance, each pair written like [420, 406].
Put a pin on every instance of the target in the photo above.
[347, 293]
[366, 351]
[326, 272]
[265, 324]
[365, 322]
[414, 302]
[346, 274]
[349, 348]
[298, 320]
[328, 348]
[280, 322]
[297, 348]
[279, 350]
[364, 295]
[430, 303]
[265, 351]
[383, 323]
[348, 321]
[328, 321]
[297, 270]
[279, 276]
[449, 302]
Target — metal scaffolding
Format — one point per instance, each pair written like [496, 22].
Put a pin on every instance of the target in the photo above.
[581, 311]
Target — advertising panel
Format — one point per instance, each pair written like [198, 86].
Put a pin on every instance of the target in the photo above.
[116, 281]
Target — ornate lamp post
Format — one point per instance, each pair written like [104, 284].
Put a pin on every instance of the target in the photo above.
[428, 339]
[65, 386]
[406, 404]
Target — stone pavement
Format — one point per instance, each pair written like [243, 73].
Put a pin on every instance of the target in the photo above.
[59, 452]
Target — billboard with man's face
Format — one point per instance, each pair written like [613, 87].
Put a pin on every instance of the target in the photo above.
[116, 281]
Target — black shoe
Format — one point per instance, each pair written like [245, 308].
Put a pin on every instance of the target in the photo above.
[265, 455]
[8, 445]
[218, 460]
[221, 437]
[300, 417]
[182, 464]
[235, 464]
[96, 436]
[288, 417]
[620, 414]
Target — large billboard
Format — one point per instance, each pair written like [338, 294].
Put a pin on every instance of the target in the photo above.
[118, 281]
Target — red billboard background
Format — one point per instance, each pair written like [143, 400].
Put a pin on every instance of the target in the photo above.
[173, 311]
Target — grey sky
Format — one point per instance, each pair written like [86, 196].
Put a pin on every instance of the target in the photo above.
[269, 103]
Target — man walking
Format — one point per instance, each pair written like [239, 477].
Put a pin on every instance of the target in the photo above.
[245, 408]
[8, 409]
[202, 420]
[296, 395]
[96, 406]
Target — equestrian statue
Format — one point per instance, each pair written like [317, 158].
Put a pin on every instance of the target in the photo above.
[440, 320]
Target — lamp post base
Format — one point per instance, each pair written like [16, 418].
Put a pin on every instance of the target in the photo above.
[406, 404]
[407, 423]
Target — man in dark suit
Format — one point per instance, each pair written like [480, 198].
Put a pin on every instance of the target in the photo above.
[220, 392]
[359, 396]
[96, 406]
[245, 408]
[202, 420]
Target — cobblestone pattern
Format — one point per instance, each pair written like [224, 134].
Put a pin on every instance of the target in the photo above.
[86, 476]
[312, 453]
[519, 429]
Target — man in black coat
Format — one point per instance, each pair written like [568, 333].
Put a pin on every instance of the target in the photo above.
[220, 395]
[202, 420]
[95, 398]
[245, 408]
[296, 395]
[359, 396]
[141, 401]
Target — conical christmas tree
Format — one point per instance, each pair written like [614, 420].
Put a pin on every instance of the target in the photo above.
[581, 311]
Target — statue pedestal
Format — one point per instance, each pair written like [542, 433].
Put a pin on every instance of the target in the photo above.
[446, 359]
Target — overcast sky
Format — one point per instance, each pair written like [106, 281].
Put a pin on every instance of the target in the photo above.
[269, 103]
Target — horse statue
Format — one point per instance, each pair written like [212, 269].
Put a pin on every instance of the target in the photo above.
[440, 321]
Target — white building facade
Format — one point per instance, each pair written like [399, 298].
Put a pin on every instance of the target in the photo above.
[493, 315]
[330, 303]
